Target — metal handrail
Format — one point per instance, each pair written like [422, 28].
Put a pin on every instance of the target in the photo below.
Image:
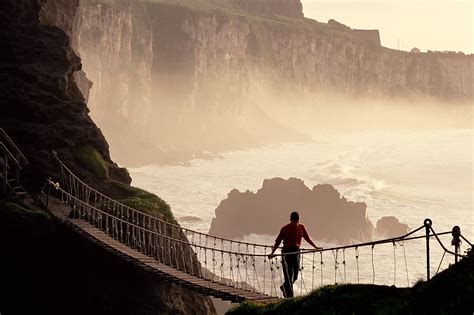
[13, 145]
[10, 155]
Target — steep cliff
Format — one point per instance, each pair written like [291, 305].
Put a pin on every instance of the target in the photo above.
[326, 213]
[42, 109]
[114, 41]
[188, 76]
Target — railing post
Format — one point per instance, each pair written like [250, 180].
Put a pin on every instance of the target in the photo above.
[456, 242]
[427, 224]
[5, 172]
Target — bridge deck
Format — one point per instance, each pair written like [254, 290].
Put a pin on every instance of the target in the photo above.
[153, 266]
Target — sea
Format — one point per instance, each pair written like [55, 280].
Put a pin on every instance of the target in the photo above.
[409, 174]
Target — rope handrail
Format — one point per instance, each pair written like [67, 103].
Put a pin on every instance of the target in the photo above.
[222, 239]
[385, 241]
[154, 232]
[150, 215]
[13, 145]
[302, 251]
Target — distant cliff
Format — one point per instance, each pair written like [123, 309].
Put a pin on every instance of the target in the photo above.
[326, 214]
[191, 76]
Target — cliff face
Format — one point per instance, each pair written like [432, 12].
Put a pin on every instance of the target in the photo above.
[210, 75]
[42, 109]
[266, 211]
[114, 41]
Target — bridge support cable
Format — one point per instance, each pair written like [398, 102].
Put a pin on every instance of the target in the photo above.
[344, 264]
[394, 264]
[313, 266]
[322, 267]
[357, 263]
[373, 265]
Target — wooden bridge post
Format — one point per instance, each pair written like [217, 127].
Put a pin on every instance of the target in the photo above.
[427, 224]
[456, 242]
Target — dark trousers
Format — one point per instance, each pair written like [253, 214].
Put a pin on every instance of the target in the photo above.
[291, 265]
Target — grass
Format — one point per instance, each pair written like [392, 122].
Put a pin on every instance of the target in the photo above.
[450, 292]
[93, 161]
[144, 201]
[335, 299]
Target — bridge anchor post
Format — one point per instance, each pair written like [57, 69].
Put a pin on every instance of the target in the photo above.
[427, 223]
[456, 242]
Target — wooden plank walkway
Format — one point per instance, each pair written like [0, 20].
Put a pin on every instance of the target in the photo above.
[151, 265]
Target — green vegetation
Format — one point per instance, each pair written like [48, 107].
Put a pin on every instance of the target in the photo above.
[336, 299]
[93, 161]
[450, 292]
[144, 201]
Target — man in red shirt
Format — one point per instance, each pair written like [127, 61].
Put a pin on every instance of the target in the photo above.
[291, 235]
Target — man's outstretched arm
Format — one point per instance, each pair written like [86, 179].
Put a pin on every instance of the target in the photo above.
[277, 243]
[309, 240]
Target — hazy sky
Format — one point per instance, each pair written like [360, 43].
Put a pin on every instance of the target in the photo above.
[404, 24]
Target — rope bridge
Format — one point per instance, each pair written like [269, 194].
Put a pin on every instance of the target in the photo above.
[225, 268]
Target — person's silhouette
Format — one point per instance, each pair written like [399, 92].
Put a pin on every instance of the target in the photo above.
[291, 235]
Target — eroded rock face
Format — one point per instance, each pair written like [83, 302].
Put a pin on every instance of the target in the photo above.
[188, 77]
[326, 214]
[115, 45]
[388, 227]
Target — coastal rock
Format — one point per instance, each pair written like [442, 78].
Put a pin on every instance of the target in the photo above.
[388, 227]
[326, 214]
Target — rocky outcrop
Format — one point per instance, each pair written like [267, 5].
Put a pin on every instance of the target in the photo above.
[326, 214]
[42, 109]
[213, 75]
[388, 227]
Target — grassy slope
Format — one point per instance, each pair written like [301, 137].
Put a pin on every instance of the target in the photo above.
[144, 201]
[450, 292]
[131, 196]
